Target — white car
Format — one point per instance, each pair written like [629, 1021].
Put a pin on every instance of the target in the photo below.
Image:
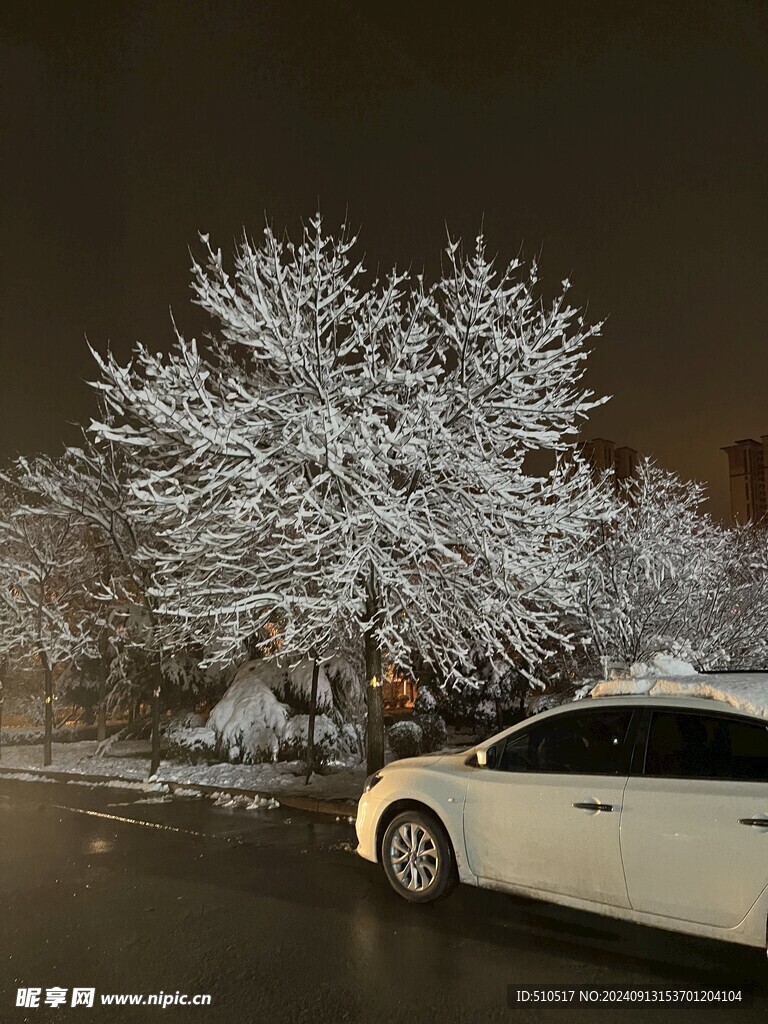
[651, 809]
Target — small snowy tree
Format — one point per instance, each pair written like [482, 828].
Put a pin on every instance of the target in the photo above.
[89, 486]
[665, 578]
[727, 622]
[44, 570]
[349, 462]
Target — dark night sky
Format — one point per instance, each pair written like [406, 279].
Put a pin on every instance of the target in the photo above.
[625, 141]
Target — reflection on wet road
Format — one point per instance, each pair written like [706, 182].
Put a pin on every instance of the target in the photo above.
[270, 913]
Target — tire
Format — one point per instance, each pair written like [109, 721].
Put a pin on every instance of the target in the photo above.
[417, 857]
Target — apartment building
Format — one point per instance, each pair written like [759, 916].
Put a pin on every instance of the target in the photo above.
[603, 455]
[748, 477]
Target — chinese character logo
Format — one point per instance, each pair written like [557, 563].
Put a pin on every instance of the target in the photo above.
[28, 997]
[55, 996]
[82, 996]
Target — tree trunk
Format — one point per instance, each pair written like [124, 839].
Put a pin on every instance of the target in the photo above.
[373, 682]
[373, 691]
[104, 653]
[101, 714]
[3, 671]
[253, 647]
[375, 721]
[311, 724]
[101, 724]
[48, 737]
[155, 760]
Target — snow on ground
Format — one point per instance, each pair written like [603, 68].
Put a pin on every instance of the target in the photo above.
[245, 803]
[130, 760]
[747, 691]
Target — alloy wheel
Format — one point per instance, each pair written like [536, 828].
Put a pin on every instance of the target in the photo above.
[414, 857]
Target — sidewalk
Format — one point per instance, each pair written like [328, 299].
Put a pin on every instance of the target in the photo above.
[334, 794]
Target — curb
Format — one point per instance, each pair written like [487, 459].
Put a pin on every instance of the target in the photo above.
[315, 805]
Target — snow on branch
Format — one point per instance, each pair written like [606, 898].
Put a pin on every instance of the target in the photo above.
[345, 444]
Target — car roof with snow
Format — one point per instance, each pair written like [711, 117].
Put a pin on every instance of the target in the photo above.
[741, 692]
[673, 700]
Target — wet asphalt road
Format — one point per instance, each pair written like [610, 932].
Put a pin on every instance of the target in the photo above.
[272, 915]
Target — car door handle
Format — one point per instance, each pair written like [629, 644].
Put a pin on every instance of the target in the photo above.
[596, 807]
[756, 822]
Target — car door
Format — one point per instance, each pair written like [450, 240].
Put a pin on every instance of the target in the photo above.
[547, 815]
[694, 828]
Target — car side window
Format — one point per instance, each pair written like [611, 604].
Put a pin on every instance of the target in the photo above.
[583, 743]
[685, 745]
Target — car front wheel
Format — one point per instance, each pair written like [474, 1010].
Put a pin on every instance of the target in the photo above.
[417, 857]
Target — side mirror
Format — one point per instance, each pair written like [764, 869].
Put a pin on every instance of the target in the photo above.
[486, 757]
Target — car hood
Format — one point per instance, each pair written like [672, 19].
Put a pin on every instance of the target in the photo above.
[422, 761]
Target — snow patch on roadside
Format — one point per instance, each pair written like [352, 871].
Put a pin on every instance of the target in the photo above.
[129, 760]
[143, 787]
[244, 803]
[144, 800]
[29, 777]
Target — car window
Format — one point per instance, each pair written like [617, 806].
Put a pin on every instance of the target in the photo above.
[585, 743]
[685, 745]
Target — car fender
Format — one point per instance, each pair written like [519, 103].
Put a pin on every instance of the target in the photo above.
[441, 791]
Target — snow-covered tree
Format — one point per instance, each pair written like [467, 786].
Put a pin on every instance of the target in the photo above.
[87, 486]
[44, 572]
[665, 578]
[348, 462]
[727, 624]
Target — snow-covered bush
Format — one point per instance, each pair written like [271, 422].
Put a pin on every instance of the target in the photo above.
[405, 739]
[192, 745]
[471, 708]
[352, 740]
[294, 685]
[186, 738]
[349, 711]
[264, 715]
[249, 720]
[24, 703]
[189, 674]
[16, 737]
[433, 732]
[294, 742]
[426, 701]
[182, 722]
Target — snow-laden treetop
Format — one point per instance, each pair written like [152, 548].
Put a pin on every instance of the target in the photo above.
[348, 457]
